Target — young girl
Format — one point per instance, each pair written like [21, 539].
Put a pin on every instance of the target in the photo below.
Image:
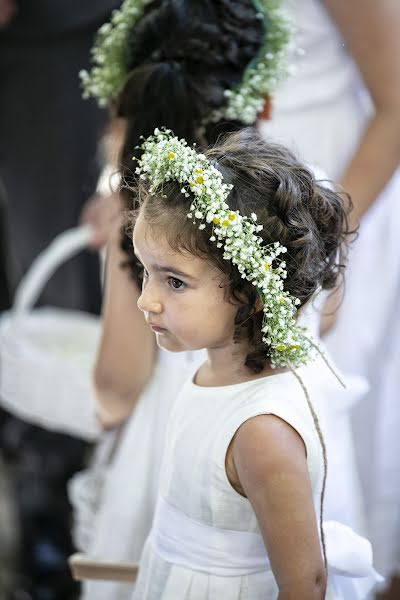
[231, 245]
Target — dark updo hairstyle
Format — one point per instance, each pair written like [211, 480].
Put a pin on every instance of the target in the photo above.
[308, 218]
[183, 55]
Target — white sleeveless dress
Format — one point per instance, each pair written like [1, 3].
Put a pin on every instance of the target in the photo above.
[205, 543]
[321, 112]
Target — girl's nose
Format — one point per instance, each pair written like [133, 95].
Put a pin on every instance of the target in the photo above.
[147, 303]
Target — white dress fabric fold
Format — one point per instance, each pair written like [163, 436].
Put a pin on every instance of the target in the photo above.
[369, 322]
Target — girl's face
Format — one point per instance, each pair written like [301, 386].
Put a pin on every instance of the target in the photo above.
[184, 298]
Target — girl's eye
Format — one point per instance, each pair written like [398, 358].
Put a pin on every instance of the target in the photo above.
[176, 284]
[145, 277]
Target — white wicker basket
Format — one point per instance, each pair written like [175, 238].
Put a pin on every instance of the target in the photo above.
[47, 354]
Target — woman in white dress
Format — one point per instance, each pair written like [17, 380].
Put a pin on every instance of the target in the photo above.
[340, 111]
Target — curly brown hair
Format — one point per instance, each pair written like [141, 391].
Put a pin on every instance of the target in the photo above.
[309, 218]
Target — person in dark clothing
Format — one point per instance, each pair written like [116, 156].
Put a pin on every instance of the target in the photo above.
[49, 136]
[49, 166]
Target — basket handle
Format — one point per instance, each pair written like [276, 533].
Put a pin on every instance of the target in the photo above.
[62, 248]
[83, 568]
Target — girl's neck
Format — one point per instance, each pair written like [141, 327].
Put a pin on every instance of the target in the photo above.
[227, 368]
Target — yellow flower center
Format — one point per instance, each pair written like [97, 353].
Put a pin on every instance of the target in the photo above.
[225, 222]
[280, 348]
[198, 170]
[294, 346]
[199, 179]
[281, 300]
[216, 221]
[171, 155]
[266, 266]
[232, 217]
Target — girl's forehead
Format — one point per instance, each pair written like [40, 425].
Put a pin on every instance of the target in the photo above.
[152, 247]
[149, 240]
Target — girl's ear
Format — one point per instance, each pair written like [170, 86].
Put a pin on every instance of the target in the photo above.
[258, 305]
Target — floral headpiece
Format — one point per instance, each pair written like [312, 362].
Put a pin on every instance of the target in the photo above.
[110, 61]
[166, 158]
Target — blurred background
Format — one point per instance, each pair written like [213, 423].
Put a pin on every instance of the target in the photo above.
[49, 166]
[340, 108]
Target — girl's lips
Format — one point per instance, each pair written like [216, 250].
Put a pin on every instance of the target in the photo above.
[157, 329]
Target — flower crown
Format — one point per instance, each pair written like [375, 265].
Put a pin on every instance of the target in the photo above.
[110, 61]
[166, 158]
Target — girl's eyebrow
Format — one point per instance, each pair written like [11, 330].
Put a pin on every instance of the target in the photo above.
[168, 269]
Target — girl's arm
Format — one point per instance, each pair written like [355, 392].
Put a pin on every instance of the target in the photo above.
[270, 465]
[371, 32]
[127, 348]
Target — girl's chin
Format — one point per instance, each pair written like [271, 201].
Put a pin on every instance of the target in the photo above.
[166, 343]
[171, 344]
